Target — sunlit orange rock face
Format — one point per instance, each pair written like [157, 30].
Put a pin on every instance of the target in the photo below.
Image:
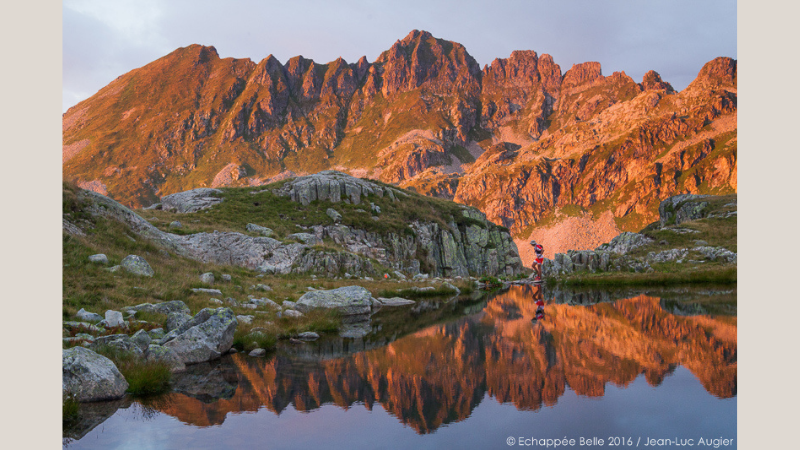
[440, 374]
[520, 139]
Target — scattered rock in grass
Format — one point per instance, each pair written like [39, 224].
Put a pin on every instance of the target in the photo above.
[248, 306]
[231, 301]
[245, 319]
[99, 258]
[292, 313]
[265, 302]
[667, 255]
[306, 238]
[333, 214]
[207, 278]
[717, 253]
[114, 318]
[137, 265]
[82, 326]
[259, 352]
[175, 224]
[447, 285]
[308, 336]
[207, 291]
[422, 289]
[215, 300]
[191, 201]
[262, 287]
[394, 301]
[226, 277]
[113, 269]
[348, 300]
[264, 231]
[90, 377]
[87, 316]
[288, 304]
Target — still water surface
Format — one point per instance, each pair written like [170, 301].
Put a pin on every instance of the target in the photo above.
[466, 373]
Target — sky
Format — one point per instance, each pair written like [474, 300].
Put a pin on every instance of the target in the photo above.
[103, 40]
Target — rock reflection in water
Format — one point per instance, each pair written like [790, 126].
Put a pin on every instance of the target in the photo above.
[440, 374]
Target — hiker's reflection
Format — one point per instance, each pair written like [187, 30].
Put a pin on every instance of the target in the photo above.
[538, 297]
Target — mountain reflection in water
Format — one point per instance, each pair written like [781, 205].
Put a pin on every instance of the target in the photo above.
[440, 374]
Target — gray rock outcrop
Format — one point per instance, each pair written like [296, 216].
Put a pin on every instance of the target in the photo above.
[625, 242]
[333, 186]
[191, 201]
[681, 208]
[474, 246]
[348, 300]
[90, 377]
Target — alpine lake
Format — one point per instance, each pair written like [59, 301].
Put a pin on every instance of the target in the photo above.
[609, 367]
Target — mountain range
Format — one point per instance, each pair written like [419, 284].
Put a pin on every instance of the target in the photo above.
[525, 142]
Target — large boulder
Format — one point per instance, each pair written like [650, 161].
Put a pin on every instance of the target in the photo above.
[164, 355]
[137, 265]
[90, 377]
[191, 201]
[207, 336]
[348, 300]
[87, 316]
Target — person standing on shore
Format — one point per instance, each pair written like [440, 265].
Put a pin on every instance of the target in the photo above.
[537, 263]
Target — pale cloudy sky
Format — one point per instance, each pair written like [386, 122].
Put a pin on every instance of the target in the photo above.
[103, 40]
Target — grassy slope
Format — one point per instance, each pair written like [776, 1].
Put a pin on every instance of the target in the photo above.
[91, 286]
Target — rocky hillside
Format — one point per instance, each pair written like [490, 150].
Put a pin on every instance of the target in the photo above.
[694, 239]
[519, 139]
[330, 224]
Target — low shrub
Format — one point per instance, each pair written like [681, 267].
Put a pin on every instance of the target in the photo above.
[69, 409]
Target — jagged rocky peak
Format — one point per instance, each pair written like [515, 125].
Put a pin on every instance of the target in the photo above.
[421, 59]
[580, 74]
[520, 68]
[652, 82]
[719, 72]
